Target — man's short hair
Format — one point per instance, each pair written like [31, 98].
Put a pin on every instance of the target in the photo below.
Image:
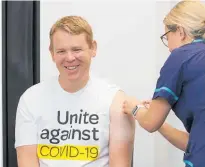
[74, 25]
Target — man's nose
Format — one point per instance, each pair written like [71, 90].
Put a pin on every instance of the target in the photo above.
[70, 57]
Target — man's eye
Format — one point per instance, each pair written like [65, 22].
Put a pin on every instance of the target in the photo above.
[60, 51]
[77, 50]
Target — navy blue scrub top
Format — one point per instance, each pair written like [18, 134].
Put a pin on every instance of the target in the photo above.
[182, 84]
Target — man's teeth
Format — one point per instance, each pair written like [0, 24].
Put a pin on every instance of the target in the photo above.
[71, 68]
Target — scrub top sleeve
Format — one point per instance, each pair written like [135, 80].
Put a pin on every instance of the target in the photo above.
[169, 84]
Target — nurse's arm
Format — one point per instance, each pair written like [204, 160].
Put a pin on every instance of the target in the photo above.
[150, 119]
[176, 137]
[153, 118]
[122, 132]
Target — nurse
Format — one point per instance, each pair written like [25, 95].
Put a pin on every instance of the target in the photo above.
[181, 85]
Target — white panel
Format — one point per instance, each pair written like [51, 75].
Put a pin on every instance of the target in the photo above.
[123, 30]
[130, 53]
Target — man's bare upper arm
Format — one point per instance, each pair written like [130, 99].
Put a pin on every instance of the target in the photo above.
[122, 132]
[27, 156]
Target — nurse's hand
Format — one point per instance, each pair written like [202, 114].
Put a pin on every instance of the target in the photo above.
[129, 104]
[147, 103]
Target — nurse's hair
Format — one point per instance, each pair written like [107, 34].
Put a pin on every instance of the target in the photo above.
[190, 15]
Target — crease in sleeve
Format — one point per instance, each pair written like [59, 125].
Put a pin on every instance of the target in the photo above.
[25, 127]
[169, 91]
[167, 94]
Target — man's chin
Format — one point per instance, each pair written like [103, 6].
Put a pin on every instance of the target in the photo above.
[72, 78]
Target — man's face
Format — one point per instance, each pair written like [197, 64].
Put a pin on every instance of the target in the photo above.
[72, 55]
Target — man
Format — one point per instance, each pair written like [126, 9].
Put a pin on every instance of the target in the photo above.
[74, 119]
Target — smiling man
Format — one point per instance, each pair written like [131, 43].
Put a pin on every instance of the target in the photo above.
[73, 119]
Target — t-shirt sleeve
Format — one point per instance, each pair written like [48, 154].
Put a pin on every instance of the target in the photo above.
[169, 84]
[25, 127]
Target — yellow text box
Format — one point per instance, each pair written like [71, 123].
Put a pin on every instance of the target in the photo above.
[68, 152]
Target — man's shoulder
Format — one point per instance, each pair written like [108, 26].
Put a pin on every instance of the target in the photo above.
[104, 84]
[40, 88]
[118, 100]
[109, 92]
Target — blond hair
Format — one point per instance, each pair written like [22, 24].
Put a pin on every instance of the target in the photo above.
[190, 15]
[74, 25]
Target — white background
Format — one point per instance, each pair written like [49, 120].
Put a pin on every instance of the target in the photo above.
[130, 54]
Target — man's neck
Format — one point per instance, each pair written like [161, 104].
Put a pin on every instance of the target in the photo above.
[73, 86]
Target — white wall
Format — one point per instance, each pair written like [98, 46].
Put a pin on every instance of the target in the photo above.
[130, 54]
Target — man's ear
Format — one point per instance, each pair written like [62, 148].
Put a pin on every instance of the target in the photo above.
[52, 54]
[94, 48]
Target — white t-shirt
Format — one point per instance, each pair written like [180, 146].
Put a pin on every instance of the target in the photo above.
[71, 129]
